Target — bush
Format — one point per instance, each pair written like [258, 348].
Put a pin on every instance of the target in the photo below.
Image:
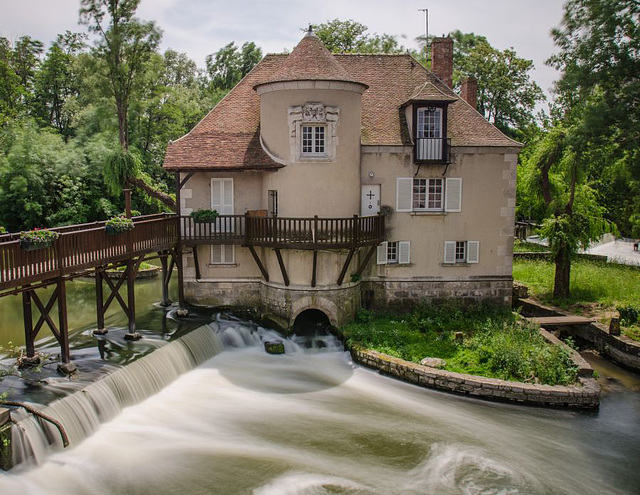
[628, 315]
[204, 216]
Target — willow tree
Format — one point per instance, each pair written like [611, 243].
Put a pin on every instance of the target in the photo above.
[124, 46]
[556, 172]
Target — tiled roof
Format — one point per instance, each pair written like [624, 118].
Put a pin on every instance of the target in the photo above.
[228, 136]
[310, 60]
[428, 91]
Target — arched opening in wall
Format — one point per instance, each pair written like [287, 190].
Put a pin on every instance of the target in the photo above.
[310, 329]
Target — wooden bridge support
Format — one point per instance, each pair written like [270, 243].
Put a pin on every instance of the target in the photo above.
[167, 270]
[60, 331]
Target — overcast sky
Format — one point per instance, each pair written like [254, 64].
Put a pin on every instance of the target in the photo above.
[201, 27]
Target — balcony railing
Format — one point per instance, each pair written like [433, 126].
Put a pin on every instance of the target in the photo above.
[285, 233]
[432, 150]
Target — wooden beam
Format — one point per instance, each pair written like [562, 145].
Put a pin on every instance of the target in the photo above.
[28, 324]
[115, 292]
[44, 314]
[345, 266]
[186, 178]
[285, 277]
[196, 262]
[166, 277]
[314, 267]
[364, 264]
[63, 322]
[256, 258]
[101, 330]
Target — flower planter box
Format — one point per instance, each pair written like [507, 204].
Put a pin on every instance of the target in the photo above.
[33, 246]
[111, 230]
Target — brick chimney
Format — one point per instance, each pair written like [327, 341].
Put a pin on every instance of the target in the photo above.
[442, 59]
[469, 91]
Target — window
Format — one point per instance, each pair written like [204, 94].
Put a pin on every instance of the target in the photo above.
[273, 203]
[427, 194]
[313, 140]
[434, 194]
[429, 122]
[461, 252]
[222, 254]
[394, 253]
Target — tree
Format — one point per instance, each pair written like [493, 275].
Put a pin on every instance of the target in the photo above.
[351, 37]
[599, 42]
[228, 66]
[11, 90]
[124, 46]
[507, 95]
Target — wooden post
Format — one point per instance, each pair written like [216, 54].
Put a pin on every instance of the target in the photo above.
[127, 202]
[314, 268]
[101, 330]
[63, 321]
[182, 311]
[28, 324]
[131, 301]
[165, 281]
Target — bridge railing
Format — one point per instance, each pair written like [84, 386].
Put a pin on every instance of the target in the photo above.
[80, 247]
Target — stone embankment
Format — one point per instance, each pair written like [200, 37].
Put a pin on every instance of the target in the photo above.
[586, 395]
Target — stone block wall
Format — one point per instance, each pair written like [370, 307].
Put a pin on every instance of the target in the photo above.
[401, 295]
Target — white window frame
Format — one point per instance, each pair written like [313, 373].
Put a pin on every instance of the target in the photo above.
[470, 252]
[223, 254]
[429, 123]
[402, 253]
[318, 140]
[450, 194]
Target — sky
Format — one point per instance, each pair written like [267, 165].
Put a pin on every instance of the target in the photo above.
[201, 27]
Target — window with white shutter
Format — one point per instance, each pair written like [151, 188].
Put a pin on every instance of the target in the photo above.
[453, 195]
[404, 252]
[428, 194]
[381, 254]
[222, 202]
[461, 252]
[222, 254]
[394, 253]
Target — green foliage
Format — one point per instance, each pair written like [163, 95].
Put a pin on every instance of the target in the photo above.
[229, 65]
[495, 344]
[3, 230]
[119, 167]
[118, 224]
[204, 216]
[38, 236]
[628, 315]
[352, 37]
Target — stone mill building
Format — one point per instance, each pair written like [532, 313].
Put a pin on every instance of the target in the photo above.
[345, 181]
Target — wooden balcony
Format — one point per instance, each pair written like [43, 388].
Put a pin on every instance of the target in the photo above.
[285, 233]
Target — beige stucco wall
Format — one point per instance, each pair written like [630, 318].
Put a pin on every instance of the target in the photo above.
[314, 186]
[488, 211]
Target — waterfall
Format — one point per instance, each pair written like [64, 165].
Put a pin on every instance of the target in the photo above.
[82, 412]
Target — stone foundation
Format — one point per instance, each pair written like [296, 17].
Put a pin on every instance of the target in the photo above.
[402, 295]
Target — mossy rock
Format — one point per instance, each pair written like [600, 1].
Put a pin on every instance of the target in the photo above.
[273, 347]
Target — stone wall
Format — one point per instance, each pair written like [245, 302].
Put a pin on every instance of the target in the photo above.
[402, 295]
[585, 396]
[620, 349]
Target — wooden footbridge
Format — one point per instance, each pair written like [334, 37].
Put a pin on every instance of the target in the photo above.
[82, 250]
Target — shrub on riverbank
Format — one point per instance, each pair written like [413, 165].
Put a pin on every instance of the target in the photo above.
[479, 340]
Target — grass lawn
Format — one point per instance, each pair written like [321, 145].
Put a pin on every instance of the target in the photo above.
[597, 287]
[494, 343]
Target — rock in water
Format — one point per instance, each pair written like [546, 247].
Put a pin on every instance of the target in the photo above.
[274, 347]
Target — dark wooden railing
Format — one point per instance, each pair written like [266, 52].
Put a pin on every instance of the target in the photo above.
[81, 247]
[432, 150]
[285, 233]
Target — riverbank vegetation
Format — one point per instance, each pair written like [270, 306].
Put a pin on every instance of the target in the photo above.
[599, 289]
[478, 340]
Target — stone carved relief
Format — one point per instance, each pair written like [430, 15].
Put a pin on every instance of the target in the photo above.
[313, 112]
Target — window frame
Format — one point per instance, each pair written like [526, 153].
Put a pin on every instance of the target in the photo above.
[315, 144]
[419, 130]
[464, 253]
[224, 252]
[447, 195]
[402, 253]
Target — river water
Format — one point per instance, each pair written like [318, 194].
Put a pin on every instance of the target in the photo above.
[310, 422]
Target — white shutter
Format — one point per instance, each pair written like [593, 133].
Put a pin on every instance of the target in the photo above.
[382, 253]
[404, 252]
[453, 195]
[227, 197]
[216, 195]
[216, 254]
[449, 251]
[404, 194]
[473, 251]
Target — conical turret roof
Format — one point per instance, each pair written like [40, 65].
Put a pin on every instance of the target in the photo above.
[311, 61]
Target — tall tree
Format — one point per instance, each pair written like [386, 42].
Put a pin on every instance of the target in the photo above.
[124, 45]
[229, 65]
[599, 42]
[11, 90]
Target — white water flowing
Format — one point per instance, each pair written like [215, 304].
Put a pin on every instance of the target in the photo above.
[310, 422]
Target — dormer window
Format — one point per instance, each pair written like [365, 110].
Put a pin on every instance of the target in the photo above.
[431, 143]
[312, 131]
